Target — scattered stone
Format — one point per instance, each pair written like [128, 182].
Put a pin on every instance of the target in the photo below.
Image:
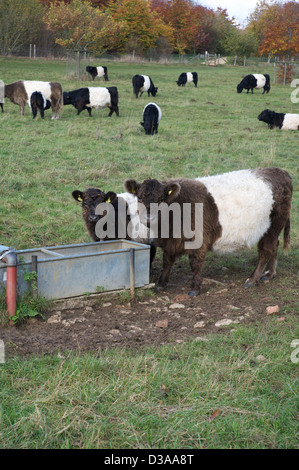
[226, 322]
[280, 319]
[55, 318]
[181, 298]
[107, 304]
[260, 358]
[162, 323]
[199, 324]
[232, 307]
[272, 310]
[175, 314]
[135, 328]
[115, 332]
[201, 338]
[176, 306]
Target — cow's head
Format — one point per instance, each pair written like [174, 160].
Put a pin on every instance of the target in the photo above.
[89, 200]
[239, 88]
[66, 98]
[152, 191]
[267, 116]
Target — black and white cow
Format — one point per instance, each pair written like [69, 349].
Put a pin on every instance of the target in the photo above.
[285, 122]
[187, 77]
[254, 81]
[99, 72]
[38, 102]
[143, 83]
[151, 117]
[93, 97]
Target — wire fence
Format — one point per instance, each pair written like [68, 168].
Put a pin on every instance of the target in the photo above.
[281, 71]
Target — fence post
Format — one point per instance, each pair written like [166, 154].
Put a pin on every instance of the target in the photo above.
[30, 50]
[244, 61]
[235, 61]
[34, 51]
[285, 73]
[274, 80]
[78, 65]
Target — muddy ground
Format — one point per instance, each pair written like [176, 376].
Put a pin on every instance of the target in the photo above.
[112, 320]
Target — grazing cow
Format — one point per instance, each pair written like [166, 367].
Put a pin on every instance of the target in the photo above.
[20, 92]
[98, 72]
[143, 83]
[93, 97]
[39, 103]
[254, 81]
[188, 77]
[285, 122]
[240, 209]
[92, 197]
[151, 117]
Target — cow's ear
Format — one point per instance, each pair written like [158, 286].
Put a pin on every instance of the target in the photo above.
[171, 191]
[110, 196]
[131, 186]
[77, 195]
[142, 123]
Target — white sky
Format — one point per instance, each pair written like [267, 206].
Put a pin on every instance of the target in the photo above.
[237, 8]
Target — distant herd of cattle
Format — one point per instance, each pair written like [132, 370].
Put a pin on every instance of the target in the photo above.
[241, 208]
[43, 95]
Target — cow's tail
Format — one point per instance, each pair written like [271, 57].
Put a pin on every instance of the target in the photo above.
[286, 236]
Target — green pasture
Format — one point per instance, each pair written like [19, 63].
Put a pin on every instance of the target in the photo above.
[117, 399]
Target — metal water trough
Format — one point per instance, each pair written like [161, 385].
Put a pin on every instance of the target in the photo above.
[73, 270]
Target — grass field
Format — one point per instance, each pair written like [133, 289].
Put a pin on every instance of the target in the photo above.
[196, 395]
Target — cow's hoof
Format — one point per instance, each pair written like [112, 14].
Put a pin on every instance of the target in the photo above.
[158, 289]
[193, 293]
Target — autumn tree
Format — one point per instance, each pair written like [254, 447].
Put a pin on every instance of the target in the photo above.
[20, 23]
[276, 27]
[78, 25]
[143, 26]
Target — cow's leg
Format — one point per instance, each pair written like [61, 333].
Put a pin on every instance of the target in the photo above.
[196, 260]
[22, 106]
[168, 261]
[267, 254]
[270, 271]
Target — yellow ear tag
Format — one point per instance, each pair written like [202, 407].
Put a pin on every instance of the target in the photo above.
[108, 200]
[80, 199]
[170, 191]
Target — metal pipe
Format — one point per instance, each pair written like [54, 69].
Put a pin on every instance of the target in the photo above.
[34, 282]
[8, 255]
[132, 273]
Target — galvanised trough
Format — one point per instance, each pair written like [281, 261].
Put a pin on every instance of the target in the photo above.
[73, 270]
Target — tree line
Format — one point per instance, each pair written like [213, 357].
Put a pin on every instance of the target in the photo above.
[166, 26]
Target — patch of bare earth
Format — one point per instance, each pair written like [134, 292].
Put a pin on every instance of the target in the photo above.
[107, 321]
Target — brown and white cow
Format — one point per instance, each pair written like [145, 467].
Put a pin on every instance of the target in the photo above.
[239, 209]
[20, 93]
